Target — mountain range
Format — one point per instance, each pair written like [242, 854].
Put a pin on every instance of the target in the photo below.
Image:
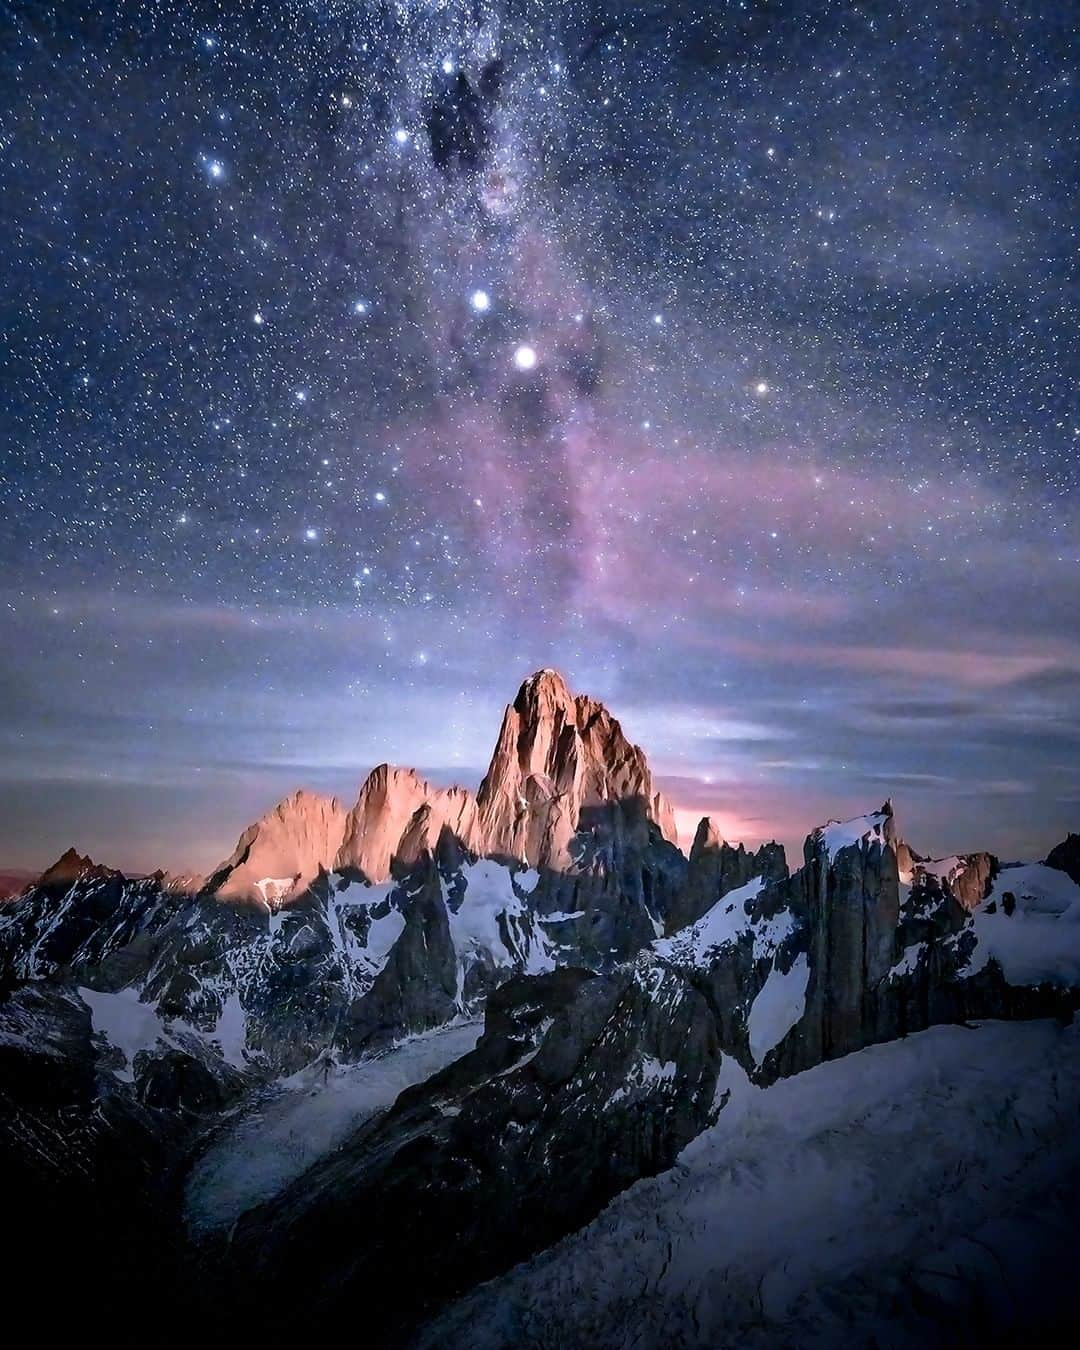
[438, 1031]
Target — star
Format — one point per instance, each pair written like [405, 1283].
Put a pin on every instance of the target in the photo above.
[525, 357]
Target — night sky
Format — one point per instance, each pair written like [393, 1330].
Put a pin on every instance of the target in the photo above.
[360, 358]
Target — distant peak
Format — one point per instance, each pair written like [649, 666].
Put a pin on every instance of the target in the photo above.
[70, 866]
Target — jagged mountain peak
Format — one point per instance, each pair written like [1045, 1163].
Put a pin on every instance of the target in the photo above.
[716, 868]
[399, 813]
[73, 866]
[1065, 857]
[281, 853]
[559, 756]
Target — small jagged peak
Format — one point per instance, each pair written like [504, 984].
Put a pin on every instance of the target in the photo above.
[706, 836]
[1065, 857]
[72, 866]
[389, 800]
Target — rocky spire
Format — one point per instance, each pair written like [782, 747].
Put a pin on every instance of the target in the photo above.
[557, 758]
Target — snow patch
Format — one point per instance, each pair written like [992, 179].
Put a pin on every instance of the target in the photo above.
[1039, 942]
[274, 889]
[231, 1032]
[128, 1025]
[779, 1005]
[726, 922]
[493, 922]
[647, 1077]
[838, 835]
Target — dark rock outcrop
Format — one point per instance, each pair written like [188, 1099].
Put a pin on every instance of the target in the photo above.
[717, 867]
[1066, 857]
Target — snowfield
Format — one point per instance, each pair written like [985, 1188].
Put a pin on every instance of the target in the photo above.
[916, 1191]
[1039, 941]
[306, 1116]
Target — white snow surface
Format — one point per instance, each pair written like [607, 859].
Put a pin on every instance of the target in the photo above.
[1039, 943]
[475, 928]
[274, 889]
[724, 923]
[308, 1115]
[806, 1216]
[649, 1075]
[945, 869]
[841, 834]
[127, 1024]
[778, 1006]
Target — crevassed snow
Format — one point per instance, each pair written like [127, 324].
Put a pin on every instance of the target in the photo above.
[725, 922]
[858, 1203]
[125, 1023]
[778, 1006]
[1039, 943]
[841, 834]
[312, 1113]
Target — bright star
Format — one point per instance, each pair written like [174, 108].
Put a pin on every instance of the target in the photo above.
[480, 301]
[525, 357]
[401, 136]
[761, 387]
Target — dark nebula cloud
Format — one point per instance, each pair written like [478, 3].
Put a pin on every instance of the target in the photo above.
[360, 358]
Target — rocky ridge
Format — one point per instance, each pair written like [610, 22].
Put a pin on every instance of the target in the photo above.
[617, 980]
[585, 1081]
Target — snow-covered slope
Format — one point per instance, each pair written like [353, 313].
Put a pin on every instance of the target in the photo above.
[885, 1198]
[305, 1117]
[1030, 925]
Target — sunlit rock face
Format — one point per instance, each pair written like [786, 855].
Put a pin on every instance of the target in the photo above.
[280, 855]
[384, 816]
[558, 758]
[334, 930]
[966, 876]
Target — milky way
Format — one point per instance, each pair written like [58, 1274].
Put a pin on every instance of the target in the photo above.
[361, 358]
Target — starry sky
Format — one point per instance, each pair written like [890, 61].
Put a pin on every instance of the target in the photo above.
[360, 358]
